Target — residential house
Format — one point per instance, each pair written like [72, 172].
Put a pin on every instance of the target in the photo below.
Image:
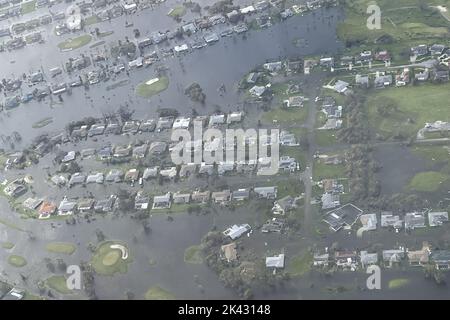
[224, 167]
[199, 196]
[164, 123]
[330, 201]
[96, 129]
[86, 205]
[139, 152]
[341, 86]
[115, 175]
[422, 75]
[414, 220]
[141, 201]
[241, 194]
[181, 123]
[321, 259]
[393, 256]
[87, 153]
[369, 221]
[157, 147]
[105, 205]
[168, 173]
[388, 219]
[257, 91]
[437, 49]
[77, 178]
[344, 216]
[105, 153]
[181, 198]
[122, 151]
[382, 81]
[441, 259]
[273, 66]
[236, 231]
[148, 125]
[132, 175]
[420, 50]
[95, 178]
[402, 79]
[441, 76]
[229, 251]
[362, 81]
[221, 197]
[294, 102]
[327, 62]
[367, 258]
[66, 207]
[266, 192]
[420, 257]
[234, 117]
[150, 173]
[276, 262]
[284, 205]
[274, 225]
[162, 202]
[46, 210]
[437, 218]
[206, 169]
[187, 169]
[32, 203]
[217, 119]
[346, 259]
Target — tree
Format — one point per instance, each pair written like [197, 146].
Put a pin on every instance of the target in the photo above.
[195, 93]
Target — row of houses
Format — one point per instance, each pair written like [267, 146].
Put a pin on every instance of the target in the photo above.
[353, 259]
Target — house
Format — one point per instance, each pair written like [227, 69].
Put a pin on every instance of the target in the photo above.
[157, 147]
[437, 49]
[346, 259]
[66, 207]
[382, 56]
[211, 37]
[330, 201]
[59, 180]
[77, 178]
[139, 152]
[365, 56]
[368, 259]
[257, 91]
[284, 205]
[181, 48]
[437, 218]
[105, 205]
[70, 156]
[332, 111]
[202, 197]
[420, 257]
[321, 259]
[150, 173]
[224, 167]
[390, 220]
[266, 192]
[276, 262]
[206, 169]
[95, 178]
[148, 125]
[422, 75]
[236, 231]
[114, 175]
[32, 203]
[221, 197]
[164, 123]
[181, 123]
[141, 201]
[187, 169]
[168, 173]
[414, 220]
[331, 124]
[241, 194]
[327, 62]
[369, 221]
[132, 175]
[130, 127]
[189, 28]
[441, 76]
[362, 81]
[229, 251]
[79, 133]
[347, 60]
[46, 209]
[382, 81]
[287, 163]
[85, 205]
[287, 139]
[234, 117]
[273, 66]
[273, 225]
[344, 216]
[341, 86]
[14, 294]
[87, 153]
[180, 198]
[441, 259]
[247, 10]
[393, 256]
[420, 50]
[162, 202]
[113, 128]
[253, 77]
[105, 153]
[217, 119]
[295, 102]
[122, 151]
[402, 79]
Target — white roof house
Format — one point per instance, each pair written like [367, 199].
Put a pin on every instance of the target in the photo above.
[181, 123]
[275, 262]
[236, 231]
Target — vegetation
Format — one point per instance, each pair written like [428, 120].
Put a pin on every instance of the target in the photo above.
[193, 255]
[427, 181]
[158, 293]
[148, 90]
[17, 261]
[398, 283]
[60, 247]
[300, 265]
[75, 43]
[27, 7]
[7, 245]
[58, 283]
[108, 261]
[177, 12]
[195, 93]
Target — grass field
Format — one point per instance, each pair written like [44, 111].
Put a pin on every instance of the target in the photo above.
[398, 283]
[108, 261]
[75, 43]
[148, 90]
[193, 255]
[411, 114]
[427, 181]
[58, 283]
[178, 11]
[300, 265]
[327, 171]
[7, 245]
[17, 261]
[286, 116]
[91, 20]
[158, 293]
[28, 7]
[60, 247]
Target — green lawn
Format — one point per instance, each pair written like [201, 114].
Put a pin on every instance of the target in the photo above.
[108, 261]
[290, 187]
[416, 105]
[58, 283]
[17, 261]
[148, 90]
[91, 20]
[28, 7]
[286, 116]
[433, 154]
[325, 138]
[398, 283]
[42, 123]
[158, 293]
[327, 171]
[300, 265]
[61, 247]
[7, 245]
[75, 43]
[178, 11]
[295, 152]
[193, 255]
[427, 181]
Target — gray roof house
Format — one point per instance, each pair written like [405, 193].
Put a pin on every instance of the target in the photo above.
[221, 196]
[77, 178]
[200, 196]
[150, 173]
[95, 178]
[414, 220]
[157, 147]
[188, 169]
[284, 205]
[115, 175]
[162, 202]
[179, 198]
[241, 194]
[266, 192]
[141, 201]
[140, 151]
[105, 205]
